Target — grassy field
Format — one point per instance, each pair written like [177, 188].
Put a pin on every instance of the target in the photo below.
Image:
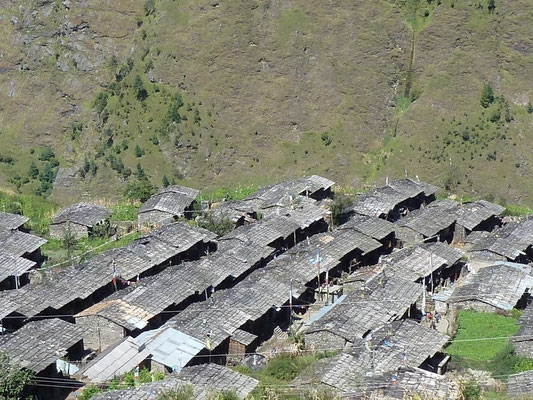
[482, 342]
[481, 336]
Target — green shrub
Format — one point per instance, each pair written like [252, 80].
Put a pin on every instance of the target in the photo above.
[471, 390]
[339, 206]
[145, 376]
[47, 154]
[183, 393]
[124, 212]
[140, 190]
[219, 227]
[89, 392]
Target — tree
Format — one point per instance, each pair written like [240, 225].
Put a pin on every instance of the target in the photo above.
[94, 168]
[139, 190]
[12, 378]
[140, 91]
[100, 102]
[165, 181]
[126, 173]
[48, 174]
[487, 95]
[47, 154]
[149, 7]
[113, 62]
[492, 6]
[33, 171]
[138, 151]
[86, 165]
[530, 108]
[140, 172]
[69, 241]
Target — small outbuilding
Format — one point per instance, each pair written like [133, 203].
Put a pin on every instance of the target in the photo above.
[167, 205]
[81, 219]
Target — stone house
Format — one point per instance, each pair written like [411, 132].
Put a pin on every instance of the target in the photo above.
[167, 205]
[81, 219]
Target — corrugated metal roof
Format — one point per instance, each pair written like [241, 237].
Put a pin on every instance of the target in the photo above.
[115, 361]
[170, 347]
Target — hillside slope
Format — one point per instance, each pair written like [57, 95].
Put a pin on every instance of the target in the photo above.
[213, 93]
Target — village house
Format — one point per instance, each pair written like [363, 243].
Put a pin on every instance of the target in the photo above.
[316, 187]
[360, 311]
[500, 287]
[76, 288]
[394, 345]
[10, 221]
[299, 196]
[116, 361]
[392, 201]
[434, 264]
[204, 379]
[479, 215]
[46, 347]
[82, 220]
[167, 205]
[433, 222]
[149, 303]
[374, 227]
[14, 271]
[21, 244]
[511, 242]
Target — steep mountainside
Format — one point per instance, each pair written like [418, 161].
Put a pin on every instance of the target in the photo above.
[213, 93]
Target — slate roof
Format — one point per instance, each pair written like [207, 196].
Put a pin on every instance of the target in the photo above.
[381, 300]
[264, 232]
[402, 343]
[12, 221]
[511, 240]
[279, 193]
[407, 383]
[172, 200]
[278, 225]
[18, 243]
[384, 199]
[11, 265]
[114, 361]
[204, 378]
[500, 285]
[415, 262]
[520, 384]
[228, 310]
[374, 227]
[83, 280]
[243, 337]
[472, 214]
[83, 214]
[428, 221]
[40, 343]
[449, 253]
[133, 307]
